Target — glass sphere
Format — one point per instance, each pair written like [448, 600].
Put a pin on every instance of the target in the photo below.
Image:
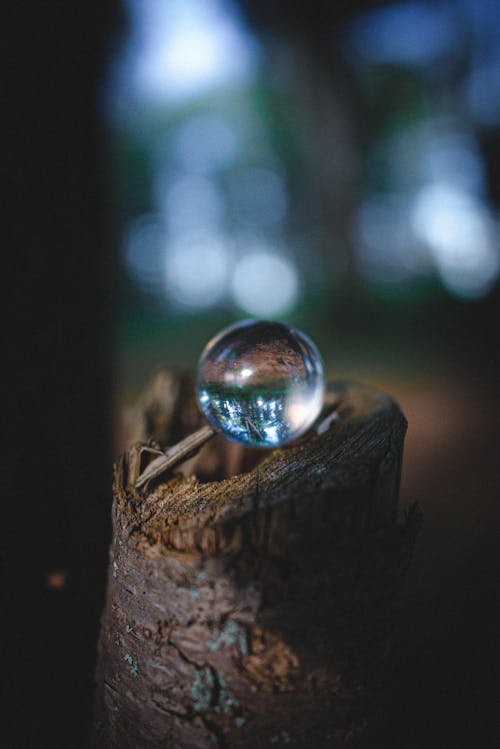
[261, 383]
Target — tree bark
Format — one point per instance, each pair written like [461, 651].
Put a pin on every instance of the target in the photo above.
[258, 608]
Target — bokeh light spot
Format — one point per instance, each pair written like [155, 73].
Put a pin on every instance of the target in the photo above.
[184, 49]
[461, 237]
[265, 284]
[190, 202]
[196, 269]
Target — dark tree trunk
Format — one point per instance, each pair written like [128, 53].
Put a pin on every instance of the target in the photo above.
[257, 610]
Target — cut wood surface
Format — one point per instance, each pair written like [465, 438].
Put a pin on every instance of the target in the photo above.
[256, 608]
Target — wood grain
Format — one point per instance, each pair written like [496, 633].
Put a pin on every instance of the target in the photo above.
[260, 607]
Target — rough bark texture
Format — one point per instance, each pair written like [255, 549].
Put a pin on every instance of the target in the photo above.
[257, 609]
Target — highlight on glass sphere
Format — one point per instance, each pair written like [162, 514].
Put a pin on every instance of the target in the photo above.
[261, 383]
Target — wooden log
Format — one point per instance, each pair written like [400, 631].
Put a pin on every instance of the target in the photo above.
[257, 608]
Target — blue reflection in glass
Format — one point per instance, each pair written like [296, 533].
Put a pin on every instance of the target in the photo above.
[261, 383]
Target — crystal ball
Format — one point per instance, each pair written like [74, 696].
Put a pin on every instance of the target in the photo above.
[261, 383]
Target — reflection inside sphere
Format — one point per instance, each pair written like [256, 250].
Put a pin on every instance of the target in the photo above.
[261, 383]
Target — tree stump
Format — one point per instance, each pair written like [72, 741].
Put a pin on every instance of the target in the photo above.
[255, 609]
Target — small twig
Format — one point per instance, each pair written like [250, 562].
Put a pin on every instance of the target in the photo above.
[175, 455]
[134, 460]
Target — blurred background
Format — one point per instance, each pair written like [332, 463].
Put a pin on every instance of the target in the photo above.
[185, 164]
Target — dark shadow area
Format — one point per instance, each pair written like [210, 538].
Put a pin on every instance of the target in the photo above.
[58, 367]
